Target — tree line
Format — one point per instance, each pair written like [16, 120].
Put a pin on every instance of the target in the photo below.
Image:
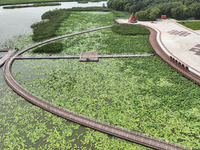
[152, 9]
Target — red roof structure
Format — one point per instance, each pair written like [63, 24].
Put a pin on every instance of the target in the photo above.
[132, 19]
[164, 17]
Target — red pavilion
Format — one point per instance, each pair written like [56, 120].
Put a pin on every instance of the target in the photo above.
[132, 19]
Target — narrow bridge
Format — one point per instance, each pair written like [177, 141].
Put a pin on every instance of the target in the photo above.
[6, 56]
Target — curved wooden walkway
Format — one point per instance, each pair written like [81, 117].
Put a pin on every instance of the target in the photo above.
[6, 56]
[4, 50]
[94, 124]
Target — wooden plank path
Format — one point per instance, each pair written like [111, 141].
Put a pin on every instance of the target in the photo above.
[78, 56]
[4, 50]
[48, 57]
[100, 126]
[89, 56]
[6, 56]
[125, 55]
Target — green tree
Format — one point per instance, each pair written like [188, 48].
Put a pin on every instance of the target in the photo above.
[142, 15]
[127, 7]
[179, 12]
[189, 2]
[154, 13]
[194, 10]
[133, 9]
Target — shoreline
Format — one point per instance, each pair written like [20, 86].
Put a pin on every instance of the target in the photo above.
[33, 5]
[43, 1]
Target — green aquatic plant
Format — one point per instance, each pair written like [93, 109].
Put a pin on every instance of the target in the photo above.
[137, 94]
[55, 47]
[103, 41]
[141, 94]
[25, 126]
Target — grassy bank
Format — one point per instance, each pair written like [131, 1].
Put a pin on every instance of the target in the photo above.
[14, 2]
[192, 25]
[34, 5]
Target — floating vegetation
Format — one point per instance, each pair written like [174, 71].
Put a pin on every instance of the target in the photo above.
[25, 126]
[92, 19]
[103, 41]
[19, 42]
[141, 94]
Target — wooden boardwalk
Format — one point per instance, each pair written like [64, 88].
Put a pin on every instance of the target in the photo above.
[78, 56]
[49, 57]
[125, 55]
[89, 56]
[4, 50]
[6, 56]
[100, 126]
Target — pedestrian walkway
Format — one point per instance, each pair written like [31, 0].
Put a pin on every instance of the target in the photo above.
[78, 56]
[177, 41]
[6, 56]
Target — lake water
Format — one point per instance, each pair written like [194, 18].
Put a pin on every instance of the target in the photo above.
[14, 22]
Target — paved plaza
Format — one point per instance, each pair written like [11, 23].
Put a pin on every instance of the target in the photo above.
[177, 41]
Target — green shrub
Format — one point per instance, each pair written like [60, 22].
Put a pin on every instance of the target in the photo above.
[55, 47]
[89, 9]
[129, 29]
[46, 29]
